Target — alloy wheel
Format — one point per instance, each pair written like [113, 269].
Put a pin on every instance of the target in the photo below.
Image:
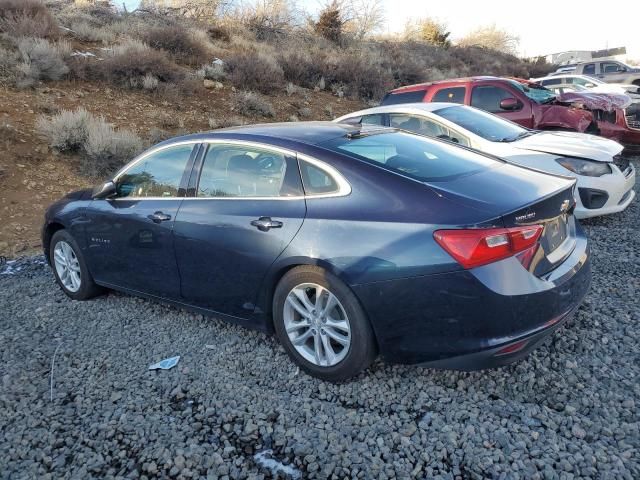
[67, 266]
[317, 324]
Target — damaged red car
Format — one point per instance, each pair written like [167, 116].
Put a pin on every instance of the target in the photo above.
[533, 106]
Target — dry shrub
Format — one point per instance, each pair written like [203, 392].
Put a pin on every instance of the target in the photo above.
[27, 18]
[87, 32]
[219, 33]
[9, 60]
[484, 61]
[362, 75]
[213, 71]
[249, 103]
[181, 43]
[255, 71]
[301, 68]
[41, 60]
[103, 148]
[129, 64]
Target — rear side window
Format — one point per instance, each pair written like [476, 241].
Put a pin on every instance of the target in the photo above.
[414, 156]
[489, 97]
[554, 81]
[589, 69]
[316, 181]
[156, 175]
[453, 95]
[403, 97]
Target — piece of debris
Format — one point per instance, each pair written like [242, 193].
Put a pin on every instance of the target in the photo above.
[264, 460]
[210, 347]
[165, 364]
[82, 54]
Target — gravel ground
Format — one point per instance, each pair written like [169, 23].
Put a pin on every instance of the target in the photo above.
[77, 399]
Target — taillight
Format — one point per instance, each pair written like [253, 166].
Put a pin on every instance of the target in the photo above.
[479, 246]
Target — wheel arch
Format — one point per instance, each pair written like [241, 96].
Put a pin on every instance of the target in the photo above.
[270, 283]
[47, 235]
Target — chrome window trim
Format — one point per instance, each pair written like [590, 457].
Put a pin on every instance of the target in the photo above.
[344, 188]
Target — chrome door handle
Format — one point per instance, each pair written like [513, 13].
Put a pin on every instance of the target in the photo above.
[158, 217]
[265, 223]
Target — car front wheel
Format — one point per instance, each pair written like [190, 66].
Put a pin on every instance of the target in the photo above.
[321, 324]
[69, 267]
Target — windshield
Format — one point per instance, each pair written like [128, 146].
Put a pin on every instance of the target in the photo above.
[415, 156]
[537, 93]
[490, 127]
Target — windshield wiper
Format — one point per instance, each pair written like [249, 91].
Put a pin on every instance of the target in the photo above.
[526, 133]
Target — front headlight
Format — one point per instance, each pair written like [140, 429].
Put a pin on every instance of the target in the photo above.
[589, 168]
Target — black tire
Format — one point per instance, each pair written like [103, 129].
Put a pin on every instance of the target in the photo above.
[362, 350]
[88, 288]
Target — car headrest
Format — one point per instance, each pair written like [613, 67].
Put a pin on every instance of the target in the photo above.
[243, 163]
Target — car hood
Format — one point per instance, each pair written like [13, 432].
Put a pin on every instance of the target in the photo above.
[571, 144]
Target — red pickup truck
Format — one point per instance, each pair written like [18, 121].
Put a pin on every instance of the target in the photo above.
[530, 105]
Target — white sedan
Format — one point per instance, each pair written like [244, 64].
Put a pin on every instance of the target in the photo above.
[605, 178]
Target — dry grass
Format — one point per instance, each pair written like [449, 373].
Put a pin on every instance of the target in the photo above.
[184, 45]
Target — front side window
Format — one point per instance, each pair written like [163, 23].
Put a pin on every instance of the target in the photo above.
[612, 67]
[374, 119]
[412, 155]
[156, 175]
[453, 95]
[489, 97]
[589, 69]
[246, 171]
[425, 126]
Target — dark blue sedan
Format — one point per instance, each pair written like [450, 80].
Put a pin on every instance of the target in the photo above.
[346, 241]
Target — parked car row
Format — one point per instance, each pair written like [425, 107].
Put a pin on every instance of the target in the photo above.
[533, 106]
[428, 233]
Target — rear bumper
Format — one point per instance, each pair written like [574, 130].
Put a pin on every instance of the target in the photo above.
[462, 319]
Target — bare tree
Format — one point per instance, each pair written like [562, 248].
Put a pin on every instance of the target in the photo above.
[363, 17]
[491, 37]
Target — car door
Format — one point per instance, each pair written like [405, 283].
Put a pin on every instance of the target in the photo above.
[129, 236]
[488, 98]
[246, 207]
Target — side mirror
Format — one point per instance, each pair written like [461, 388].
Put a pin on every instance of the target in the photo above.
[106, 190]
[510, 104]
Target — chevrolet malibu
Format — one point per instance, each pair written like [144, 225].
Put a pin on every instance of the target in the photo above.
[347, 241]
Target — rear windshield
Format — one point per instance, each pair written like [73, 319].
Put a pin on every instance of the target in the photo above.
[415, 156]
[490, 127]
[404, 97]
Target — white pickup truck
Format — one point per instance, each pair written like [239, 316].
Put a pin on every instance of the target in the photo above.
[610, 71]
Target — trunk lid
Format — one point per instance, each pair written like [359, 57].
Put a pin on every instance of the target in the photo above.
[518, 197]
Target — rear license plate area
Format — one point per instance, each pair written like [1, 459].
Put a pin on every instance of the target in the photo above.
[556, 232]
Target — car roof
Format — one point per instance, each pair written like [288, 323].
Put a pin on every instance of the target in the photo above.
[407, 108]
[311, 133]
[424, 86]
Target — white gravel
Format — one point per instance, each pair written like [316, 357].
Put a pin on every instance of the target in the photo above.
[236, 407]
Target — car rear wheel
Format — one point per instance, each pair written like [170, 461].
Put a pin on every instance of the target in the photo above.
[321, 324]
[70, 269]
